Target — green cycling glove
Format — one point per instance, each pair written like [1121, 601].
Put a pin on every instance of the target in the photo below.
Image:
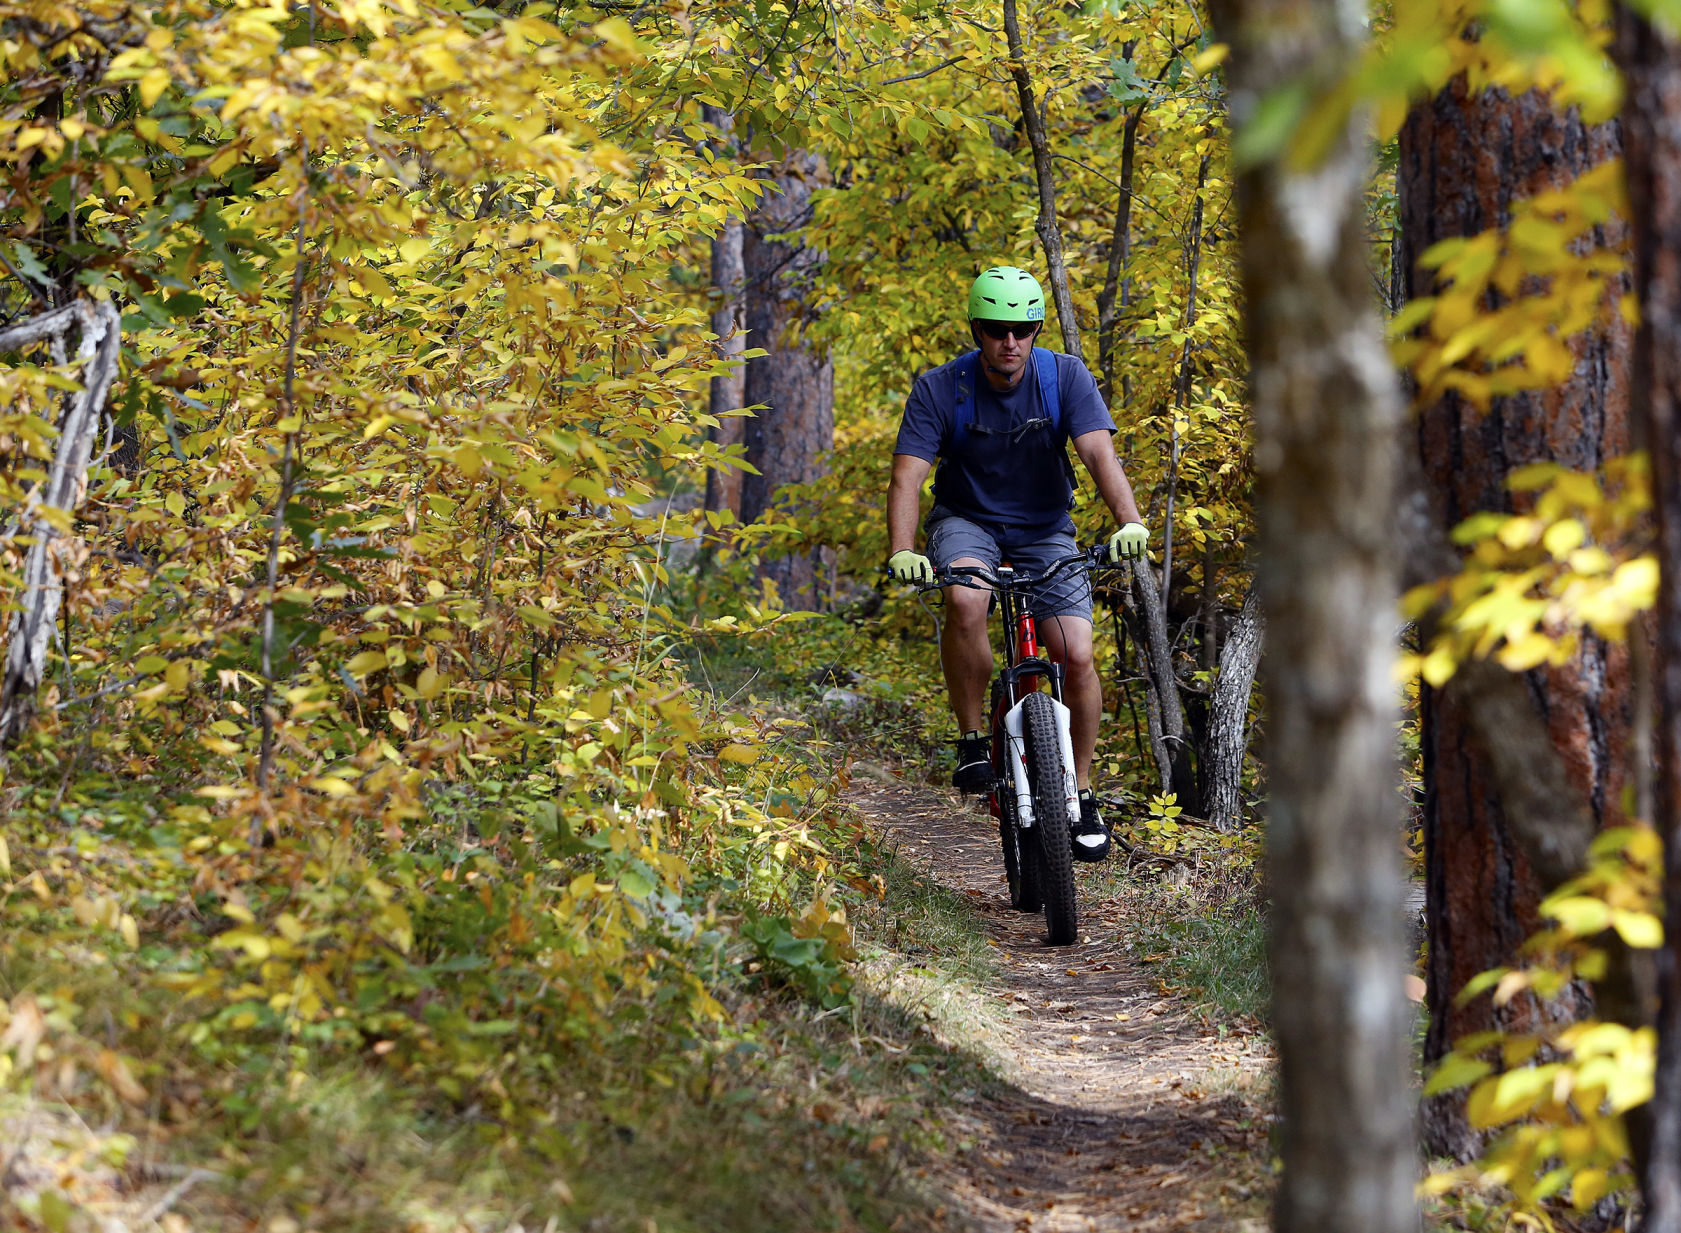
[908, 565]
[1128, 543]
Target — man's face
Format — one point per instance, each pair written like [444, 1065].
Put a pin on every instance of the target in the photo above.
[1005, 345]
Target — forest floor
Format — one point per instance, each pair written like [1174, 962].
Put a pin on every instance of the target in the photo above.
[1117, 1105]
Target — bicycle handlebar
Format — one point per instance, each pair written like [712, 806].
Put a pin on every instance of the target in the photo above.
[980, 578]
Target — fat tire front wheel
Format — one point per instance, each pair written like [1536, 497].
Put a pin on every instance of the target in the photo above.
[1049, 846]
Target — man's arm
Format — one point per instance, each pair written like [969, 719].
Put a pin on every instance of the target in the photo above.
[1097, 450]
[904, 499]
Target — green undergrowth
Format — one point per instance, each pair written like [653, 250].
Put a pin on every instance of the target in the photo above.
[1191, 909]
[925, 951]
[806, 1098]
[878, 695]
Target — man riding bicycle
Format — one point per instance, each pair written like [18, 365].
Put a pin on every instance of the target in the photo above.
[999, 420]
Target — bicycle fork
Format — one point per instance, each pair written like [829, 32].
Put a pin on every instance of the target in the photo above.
[1017, 757]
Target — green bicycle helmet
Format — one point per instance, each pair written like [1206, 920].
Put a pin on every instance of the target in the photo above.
[1005, 293]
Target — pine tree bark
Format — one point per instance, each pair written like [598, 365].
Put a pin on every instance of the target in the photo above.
[1465, 158]
[1327, 415]
[1650, 59]
[794, 383]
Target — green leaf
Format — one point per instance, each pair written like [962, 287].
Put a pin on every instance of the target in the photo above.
[27, 263]
[56, 1210]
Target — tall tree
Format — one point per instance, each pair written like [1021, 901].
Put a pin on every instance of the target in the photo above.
[1650, 58]
[794, 381]
[1465, 157]
[1326, 414]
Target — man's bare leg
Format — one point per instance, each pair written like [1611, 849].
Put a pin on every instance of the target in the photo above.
[1069, 641]
[966, 652]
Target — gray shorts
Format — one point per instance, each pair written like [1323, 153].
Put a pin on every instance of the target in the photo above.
[951, 536]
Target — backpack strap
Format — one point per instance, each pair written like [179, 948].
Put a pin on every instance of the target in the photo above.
[967, 370]
[1050, 394]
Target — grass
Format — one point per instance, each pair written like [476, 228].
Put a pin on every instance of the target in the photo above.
[1211, 949]
[1199, 922]
[927, 960]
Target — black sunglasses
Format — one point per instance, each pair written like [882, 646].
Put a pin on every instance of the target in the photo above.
[998, 331]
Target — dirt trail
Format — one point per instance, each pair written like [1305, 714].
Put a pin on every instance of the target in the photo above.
[1120, 1110]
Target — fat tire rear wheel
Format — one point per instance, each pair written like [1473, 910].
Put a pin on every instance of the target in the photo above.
[1022, 874]
[1049, 848]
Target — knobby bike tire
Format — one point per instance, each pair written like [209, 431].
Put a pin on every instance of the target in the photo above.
[1053, 853]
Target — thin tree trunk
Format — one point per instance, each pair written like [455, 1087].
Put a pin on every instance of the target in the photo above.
[1182, 384]
[1228, 722]
[787, 441]
[1180, 778]
[728, 392]
[1135, 600]
[1326, 415]
[1208, 611]
[1465, 158]
[1045, 226]
[1114, 299]
[1650, 58]
[1116, 296]
[32, 625]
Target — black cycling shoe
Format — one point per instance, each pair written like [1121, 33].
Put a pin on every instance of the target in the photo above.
[974, 764]
[1091, 836]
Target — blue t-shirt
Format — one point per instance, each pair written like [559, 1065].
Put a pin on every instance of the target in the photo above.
[1010, 473]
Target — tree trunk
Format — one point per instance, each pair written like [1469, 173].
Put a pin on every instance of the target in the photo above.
[786, 442]
[728, 393]
[1182, 383]
[1650, 59]
[1326, 418]
[1134, 600]
[1045, 226]
[1465, 158]
[1112, 301]
[1228, 723]
[1174, 752]
[31, 627]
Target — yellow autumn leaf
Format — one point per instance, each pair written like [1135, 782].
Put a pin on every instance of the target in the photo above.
[1642, 930]
[365, 662]
[152, 85]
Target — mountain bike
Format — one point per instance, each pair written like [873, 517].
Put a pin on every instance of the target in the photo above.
[1033, 795]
